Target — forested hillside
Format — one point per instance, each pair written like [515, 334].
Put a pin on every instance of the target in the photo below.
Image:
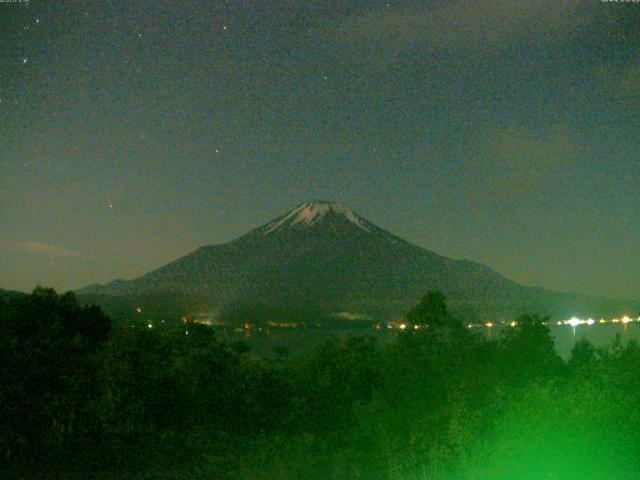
[83, 400]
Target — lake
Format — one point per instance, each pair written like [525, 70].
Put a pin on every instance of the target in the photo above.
[298, 340]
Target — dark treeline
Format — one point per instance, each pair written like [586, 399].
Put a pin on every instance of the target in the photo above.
[81, 399]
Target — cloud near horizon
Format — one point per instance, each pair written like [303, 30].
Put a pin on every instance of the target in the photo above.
[39, 248]
[461, 25]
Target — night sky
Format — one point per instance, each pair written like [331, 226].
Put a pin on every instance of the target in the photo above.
[506, 132]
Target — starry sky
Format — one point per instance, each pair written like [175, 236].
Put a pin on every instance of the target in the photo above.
[502, 131]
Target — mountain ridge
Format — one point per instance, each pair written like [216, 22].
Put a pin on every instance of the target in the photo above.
[323, 255]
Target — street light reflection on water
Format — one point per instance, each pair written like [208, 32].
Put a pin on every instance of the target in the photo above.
[572, 322]
[601, 332]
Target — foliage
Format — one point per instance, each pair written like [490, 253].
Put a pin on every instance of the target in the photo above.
[48, 365]
[431, 311]
[81, 400]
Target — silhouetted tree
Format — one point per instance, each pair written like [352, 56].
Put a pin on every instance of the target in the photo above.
[48, 362]
[583, 353]
[528, 350]
[431, 311]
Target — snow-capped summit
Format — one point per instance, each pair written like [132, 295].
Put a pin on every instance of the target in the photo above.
[313, 212]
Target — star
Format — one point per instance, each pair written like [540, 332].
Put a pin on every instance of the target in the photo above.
[111, 205]
[37, 20]
[224, 27]
[24, 61]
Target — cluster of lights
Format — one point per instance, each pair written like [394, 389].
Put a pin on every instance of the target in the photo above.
[574, 322]
[402, 326]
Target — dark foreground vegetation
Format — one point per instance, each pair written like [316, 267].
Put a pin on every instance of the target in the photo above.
[80, 399]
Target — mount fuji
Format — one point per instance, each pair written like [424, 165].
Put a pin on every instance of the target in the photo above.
[323, 257]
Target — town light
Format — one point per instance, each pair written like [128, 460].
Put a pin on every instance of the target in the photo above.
[574, 322]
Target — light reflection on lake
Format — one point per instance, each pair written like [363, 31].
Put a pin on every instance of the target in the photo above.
[600, 335]
[298, 341]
